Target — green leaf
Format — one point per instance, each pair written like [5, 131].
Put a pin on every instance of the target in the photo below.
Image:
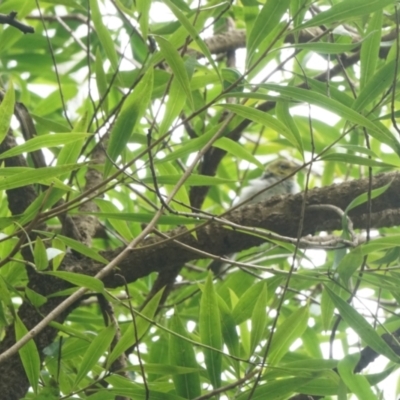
[237, 150]
[79, 247]
[79, 280]
[263, 118]
[103, 34]
[101, 81]
[132, 110]
[349, 264]
[377, 131]
[210, 332]
[143, 7]
[35, 298]
[326, 48]
[191, 146]
[120, 225]
[362, 327]
[291, 329]
[181, 197]
[40, 255]
[41, 175]
[29, 355]
[259, 319]
[69, 154]
[355, 160]
[369, 53]
[284, 116]
[267, 19]
[96, 349]
[6, 111]
[176, 101]
[193, 179]
[376, 86]
[181, 354]
[358, 384]
[345, 10]
[276, 389]
[177, 65]
[244, 308]
[40, 142]
[144, 218]
[137, 330]
[363, 198]
[188, 25]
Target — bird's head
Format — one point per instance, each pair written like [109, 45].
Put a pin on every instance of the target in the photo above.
[281, 168]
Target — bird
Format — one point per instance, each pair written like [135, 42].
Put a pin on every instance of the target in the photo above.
[279, 177]
[279, 174]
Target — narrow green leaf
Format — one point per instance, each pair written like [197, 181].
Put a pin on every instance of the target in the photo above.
[44, 141]
[132, 110]
[143, 7]
[263, 118]
[377, 131]
[276, 389]
[244, 308]
[5, 295]
[96, 349]
[6, 111]
[191, 146]
[291, 329]
[229, 333]
[362, 327]
[349, 264]
[181, 354]
[326, 48]
[119, 225]
[267, 19]
[284, 116]
[210, 331]
[166, 369]
[79, 280]
[376, 86]
[237, 150]
[355, 160]
[126, 387]
[41, 175]
[129, 337]
[362, 198]
[35, 298]
[79, 247]
[259, 319]
[175, 61]
[188, 25]
[50, 124]
[358, 384]
[174, 106]
[103, 34]
[346, 10]
[181, 196]
[369, 53]
[29, 355]
[69, 154]
[144, 218]
[101, 81]
[193, 179]
[380, 244]
[40, 255]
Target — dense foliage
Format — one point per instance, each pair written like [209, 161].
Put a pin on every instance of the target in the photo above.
[128, 127]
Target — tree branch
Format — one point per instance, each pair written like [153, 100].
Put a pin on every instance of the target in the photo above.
[9, 19]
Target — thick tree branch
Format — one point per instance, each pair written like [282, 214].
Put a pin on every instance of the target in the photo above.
[279, 214]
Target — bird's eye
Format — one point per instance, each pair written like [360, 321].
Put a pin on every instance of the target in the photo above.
[284, 166]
